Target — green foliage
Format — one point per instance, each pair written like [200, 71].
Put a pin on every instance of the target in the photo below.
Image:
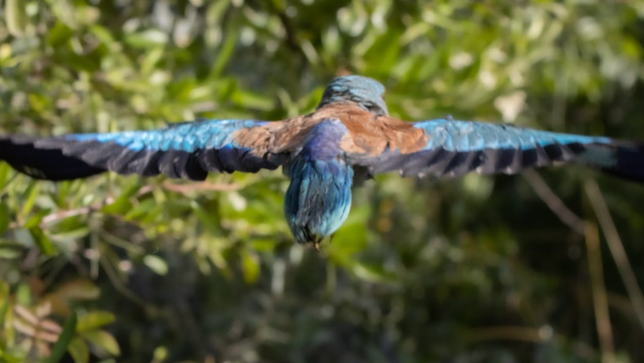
[64, 339]
[470, 270]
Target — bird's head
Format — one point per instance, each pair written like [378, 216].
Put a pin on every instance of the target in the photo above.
[366, 92]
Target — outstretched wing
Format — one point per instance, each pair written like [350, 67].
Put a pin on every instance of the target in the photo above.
[187, 150]
[453, 148]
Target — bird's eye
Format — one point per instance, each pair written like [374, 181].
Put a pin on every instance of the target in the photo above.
[373, 108]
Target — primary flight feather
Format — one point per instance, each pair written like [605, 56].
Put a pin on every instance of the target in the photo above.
[349, 136]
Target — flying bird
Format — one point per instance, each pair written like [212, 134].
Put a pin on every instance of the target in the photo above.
[349, 137]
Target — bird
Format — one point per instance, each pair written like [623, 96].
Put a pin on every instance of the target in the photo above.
[350, 137]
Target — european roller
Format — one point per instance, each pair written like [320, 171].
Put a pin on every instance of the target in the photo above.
[349, 137]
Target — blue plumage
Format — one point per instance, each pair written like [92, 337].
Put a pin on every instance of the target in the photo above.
[319, 197]
[365, 92]
[189, 137]
[453, 148]
[463, 136]
[185, 150]
[350, 134]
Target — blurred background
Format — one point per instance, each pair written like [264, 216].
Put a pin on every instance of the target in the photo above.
[542, 267]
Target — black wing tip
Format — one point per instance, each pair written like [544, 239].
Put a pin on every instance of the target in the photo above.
[23, 154]
[629, 161]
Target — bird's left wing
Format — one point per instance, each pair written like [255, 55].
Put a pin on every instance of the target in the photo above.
[446, 147]
[186, 150]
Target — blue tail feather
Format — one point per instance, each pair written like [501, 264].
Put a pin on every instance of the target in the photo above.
[319, 197]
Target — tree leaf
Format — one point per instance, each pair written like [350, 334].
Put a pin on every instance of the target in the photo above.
[45, 245]
[150, 38]
[79, 350]
[141, 210]
[77, 289]
[35, 219]
[225, 53]
[11, 358]
[250, 267]
[372, 273]
[4, 218]
[122, 204]
[156, 264]
[4, 303]
[104, 341]
[57, 36]
[9, 252]
[16, 15]
[30, 194]
[65, 337]
[95, 320]
[5, 171]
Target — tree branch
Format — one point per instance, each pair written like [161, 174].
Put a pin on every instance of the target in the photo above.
[617, 250]
[555, 203]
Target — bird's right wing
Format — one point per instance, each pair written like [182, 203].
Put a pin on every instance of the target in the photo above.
[446, 147]
[187, 150]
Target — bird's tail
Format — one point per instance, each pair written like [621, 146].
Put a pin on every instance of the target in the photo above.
[620, 159]
[41, 163]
